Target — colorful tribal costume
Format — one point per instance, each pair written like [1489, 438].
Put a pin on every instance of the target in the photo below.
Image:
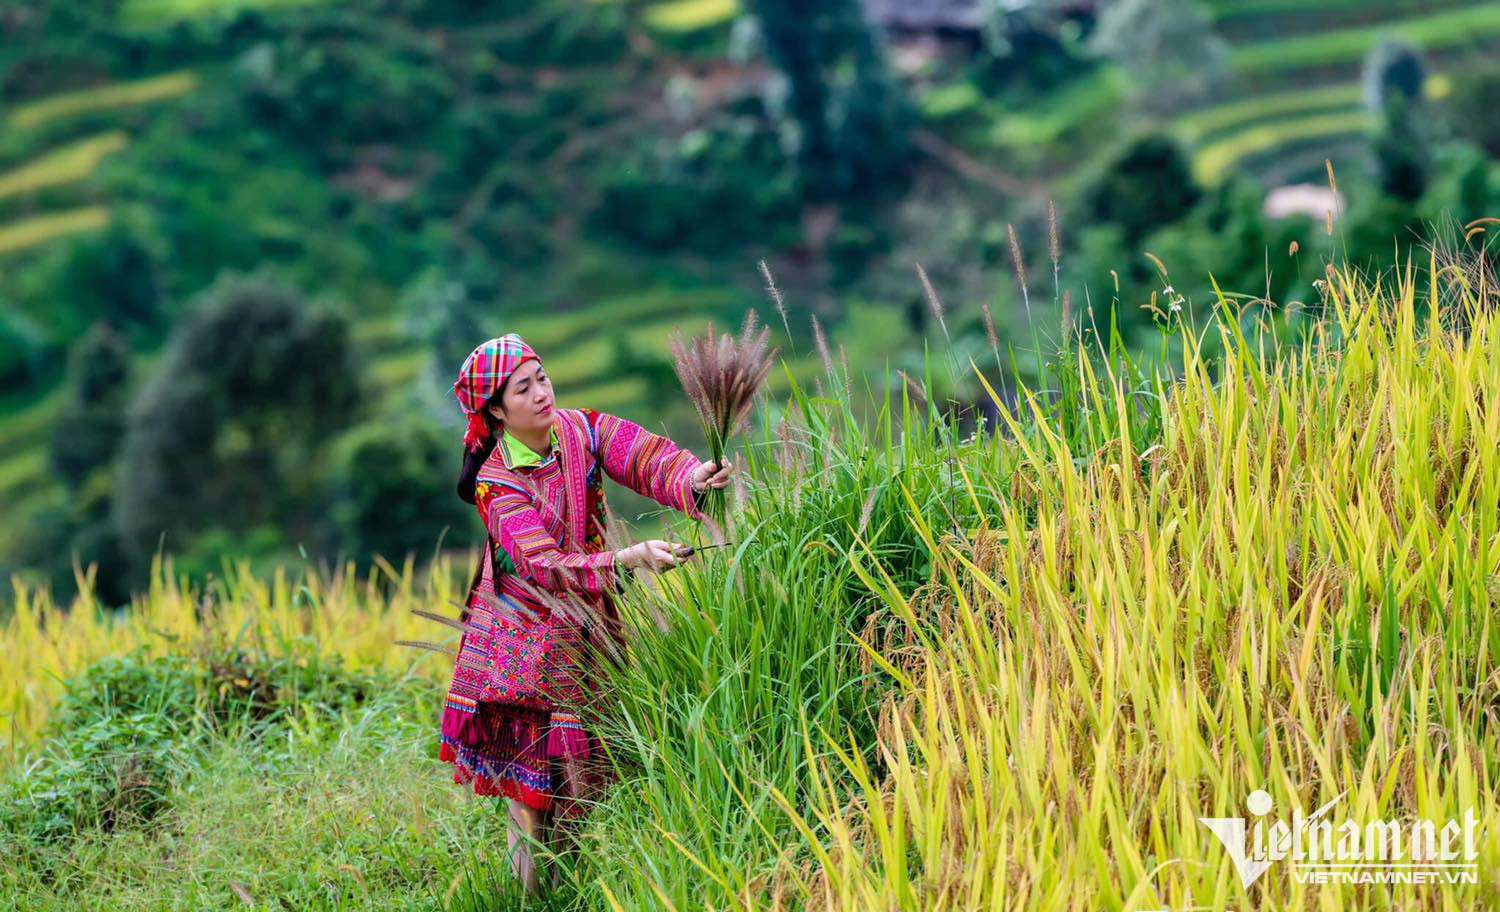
[547, 518]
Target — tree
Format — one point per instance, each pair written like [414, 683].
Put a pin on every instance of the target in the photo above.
[88, 434]
[1403, 156]
[1471, 105]
[110, 276]
[441, 314]
[1393, 67]
[1148, 185]
[21, 349]
[82, 451]
[391, 490]
[851, 117]
[1394, 74]
[1168, 47]
[229, 429]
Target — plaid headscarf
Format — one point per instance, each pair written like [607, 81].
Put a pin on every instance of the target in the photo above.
[483, 372]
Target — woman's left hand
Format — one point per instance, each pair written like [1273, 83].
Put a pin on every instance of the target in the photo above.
[708, 475]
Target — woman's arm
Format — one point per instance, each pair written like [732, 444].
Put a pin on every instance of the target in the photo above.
[649, 464]
[514, 523]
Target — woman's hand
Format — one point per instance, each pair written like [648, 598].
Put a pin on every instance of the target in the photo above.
[708, 475]
[652, 554]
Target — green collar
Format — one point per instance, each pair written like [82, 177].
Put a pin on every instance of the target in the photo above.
[518, 454]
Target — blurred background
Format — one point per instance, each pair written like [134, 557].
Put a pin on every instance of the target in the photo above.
[244, 246]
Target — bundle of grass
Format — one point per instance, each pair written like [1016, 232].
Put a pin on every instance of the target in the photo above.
[722, 376]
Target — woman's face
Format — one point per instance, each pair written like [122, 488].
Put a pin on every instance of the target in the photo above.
[526, 404]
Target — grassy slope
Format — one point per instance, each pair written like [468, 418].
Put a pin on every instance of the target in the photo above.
[1326, 108]
[574, 342]
[1240, 130]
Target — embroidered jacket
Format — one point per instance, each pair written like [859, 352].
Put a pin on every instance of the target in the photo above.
[547, 516]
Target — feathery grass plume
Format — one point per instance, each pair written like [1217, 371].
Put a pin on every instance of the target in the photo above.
[788, 456]
[1019, 264]
[1054, 247]
[915, 390]
[936, 304]
[933, 301]
[722, 377]
[867, 509]
[1067, 314]
[822, 342]
[989, 331]
[775, 293]
[844, 363]
[791, 461]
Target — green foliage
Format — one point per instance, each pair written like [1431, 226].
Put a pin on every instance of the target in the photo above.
[260, 688]
[82, 450]
[1402, 154]
[227, 430]
[1147, 185]
[87, 433]
[852, 118]
[114, 751]
[1168, 46]
[1393, 68]
[440, 313]
[132, 729]
[390, 490]
[110, 276]
[1467, 24]
[673, 196]
[1471, 104]
[129, 685]
[22, 347]
[330, 93]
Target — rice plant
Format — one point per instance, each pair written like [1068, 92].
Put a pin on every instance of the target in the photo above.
[1293, 591]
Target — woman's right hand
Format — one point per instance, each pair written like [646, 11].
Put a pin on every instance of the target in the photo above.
[652, 554]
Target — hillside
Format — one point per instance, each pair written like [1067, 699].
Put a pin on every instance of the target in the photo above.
[597, 175]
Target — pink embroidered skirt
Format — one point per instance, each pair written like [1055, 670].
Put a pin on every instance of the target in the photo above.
[519, 752]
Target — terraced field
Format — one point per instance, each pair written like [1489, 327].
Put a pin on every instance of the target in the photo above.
[1295, 98]
[1298, 67]
[1294, 82]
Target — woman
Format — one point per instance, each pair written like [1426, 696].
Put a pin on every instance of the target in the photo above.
[536, 475]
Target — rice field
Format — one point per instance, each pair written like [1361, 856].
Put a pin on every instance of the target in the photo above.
[689, 15]
[1206, 123]
[1468, 25]
[103, 98]
[66, 164]
[159, 13]
[1291, 590]
[1251, 129]
[937, 671]
[1213, 161]
[39, 229]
